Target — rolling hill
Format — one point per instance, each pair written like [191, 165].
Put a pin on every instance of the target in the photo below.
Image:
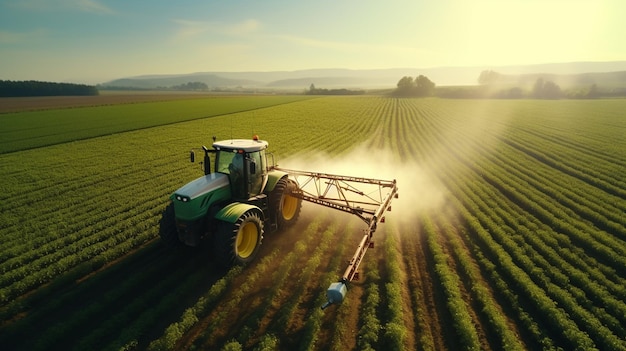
[601, 73]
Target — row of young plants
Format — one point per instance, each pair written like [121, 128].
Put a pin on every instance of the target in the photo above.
[524, 258]
[492, 313]
[450, 284]
[600, 335]
[370, 324]
[402, 124]
[590, 203]
[254, 317]
[562, 150]
[90, 309]
[419, 286]
[557, 192]
[35, 129]
[395, 335]
[608, 182]
[555, 188]
[522, 283]
[454, 267]
[328, 272]
[84, 203]
[423, 130]
[567, 216]
[464, 147]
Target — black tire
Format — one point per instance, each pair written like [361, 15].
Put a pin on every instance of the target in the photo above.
[284, 208]
[238, 243]
[167, 227]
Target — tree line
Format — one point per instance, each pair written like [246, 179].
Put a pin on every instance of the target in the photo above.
[36, 88]
[320, 91]
[490, 87]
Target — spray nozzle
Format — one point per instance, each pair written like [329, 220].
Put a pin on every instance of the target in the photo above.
[335, 293]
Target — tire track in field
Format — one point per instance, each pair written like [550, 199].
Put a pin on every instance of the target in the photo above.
[281, 309]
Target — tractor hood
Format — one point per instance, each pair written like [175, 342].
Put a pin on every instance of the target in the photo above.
[201, 186]
[192, 201]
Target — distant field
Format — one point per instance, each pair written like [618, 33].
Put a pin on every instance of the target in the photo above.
[509, 233]
[93, 116]
[21, 104]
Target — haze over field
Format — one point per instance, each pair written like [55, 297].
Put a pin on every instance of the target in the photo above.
[93, 41]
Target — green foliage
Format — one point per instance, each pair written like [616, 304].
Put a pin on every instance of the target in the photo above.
[36, 88]
[420, 87]
[529, 241]
[232, 345]
[488, 77]
[27, 130]
[269, 342]
[319, 91]
[191, 86]
[546, 90]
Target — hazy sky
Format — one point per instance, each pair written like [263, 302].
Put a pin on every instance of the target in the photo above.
[92, 41]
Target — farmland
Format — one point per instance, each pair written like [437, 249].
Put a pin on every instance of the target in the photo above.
[509, 233]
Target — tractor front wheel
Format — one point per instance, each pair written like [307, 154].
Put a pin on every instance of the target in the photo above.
[238, 243]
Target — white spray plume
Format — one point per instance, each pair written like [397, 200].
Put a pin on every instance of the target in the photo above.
[418, 190]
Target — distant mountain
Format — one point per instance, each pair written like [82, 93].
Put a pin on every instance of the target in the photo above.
[374, 78]
[165, 81]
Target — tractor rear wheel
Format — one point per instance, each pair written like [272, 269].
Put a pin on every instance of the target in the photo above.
[285, 207]
[167, 227]
[238, 243]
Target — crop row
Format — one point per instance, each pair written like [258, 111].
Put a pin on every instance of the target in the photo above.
[521, 257]
[522, 249]
[458, 147]
[486, 170]
[28, 130]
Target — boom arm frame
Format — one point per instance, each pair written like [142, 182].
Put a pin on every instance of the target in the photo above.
[343, 193]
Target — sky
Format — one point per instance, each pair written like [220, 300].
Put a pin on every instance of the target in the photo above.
[94, 41]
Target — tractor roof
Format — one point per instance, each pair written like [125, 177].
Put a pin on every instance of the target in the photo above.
[247, 145]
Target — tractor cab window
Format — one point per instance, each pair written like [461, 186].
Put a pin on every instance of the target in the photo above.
[232, 163]
[259, 176]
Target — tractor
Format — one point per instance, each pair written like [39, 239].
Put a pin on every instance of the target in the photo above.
[245, 195]
[232, 206]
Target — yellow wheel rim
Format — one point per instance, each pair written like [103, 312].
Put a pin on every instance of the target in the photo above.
[247, 239]
[290, 205]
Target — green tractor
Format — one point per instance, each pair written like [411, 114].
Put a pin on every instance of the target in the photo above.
[246, 195]
[234, 205]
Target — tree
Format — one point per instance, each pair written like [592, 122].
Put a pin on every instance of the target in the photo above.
[36, 88]
[546, 90]
[538, 88]
[424, 87]
[420, 86]
[405, 86]
[488, 77]
[593, 92]
[551, 90]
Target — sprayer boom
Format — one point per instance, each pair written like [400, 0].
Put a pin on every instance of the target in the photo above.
[366, 198]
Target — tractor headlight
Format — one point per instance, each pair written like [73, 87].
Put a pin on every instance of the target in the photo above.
[182, 198]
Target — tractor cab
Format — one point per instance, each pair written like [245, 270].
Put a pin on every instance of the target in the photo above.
[245, 163]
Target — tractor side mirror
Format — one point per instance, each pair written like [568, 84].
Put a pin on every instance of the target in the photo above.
[192, 156]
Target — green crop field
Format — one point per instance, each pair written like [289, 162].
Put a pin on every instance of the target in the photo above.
[31, 129]
[509, 232]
